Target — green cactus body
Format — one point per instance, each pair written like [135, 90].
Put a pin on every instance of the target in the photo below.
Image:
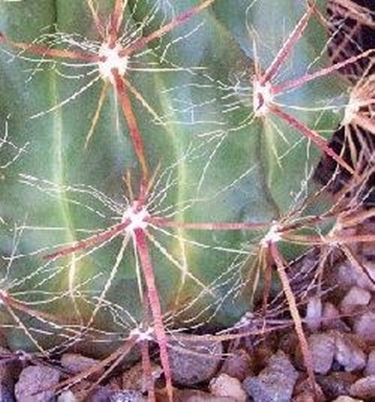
[214, 161]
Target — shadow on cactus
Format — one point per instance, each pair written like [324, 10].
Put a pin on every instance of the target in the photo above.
[164, 168]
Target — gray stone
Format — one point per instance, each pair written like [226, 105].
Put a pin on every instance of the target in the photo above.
[355, 298]
[9, 371]
[304, 393]
[192, 395]
[35, 383]
[134, 377]
[364, 388]
[364, 326]
[350, 275]
[100, 394]
[275, 383]
[225, 385]
[305, 397]
[331, 318]
[370, 367]
[238, 365]
[7, 392]
[106, 394]
[194, 361]
[67, 396]
[127, 396]
[336, 383]
[76, 363]
[314, 312]
[348, 354]
[322, 348]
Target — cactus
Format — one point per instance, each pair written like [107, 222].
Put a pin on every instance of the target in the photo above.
[164, 166]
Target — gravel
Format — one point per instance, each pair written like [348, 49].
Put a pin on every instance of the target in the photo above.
[224, 385]
[322, 348]
[275, 383]
[35, 384]
[370, 367]
[348, 354]
[364, 327]
[355, 298]
[364, 388]
[194, 361]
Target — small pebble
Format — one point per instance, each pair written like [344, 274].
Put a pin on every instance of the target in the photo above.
[305, 396]
[368, 249]
[193, 362]
[336, 383]
[349, 275]
[6, 389]
[192, 395]
[237, 365]
[106, 394]
[134, 378]
[314, 313]
[348, 354]
[275, 383]
[35, 383]
[305, 393]
[331, 318]
[9, 372]
[76, 363]
[364, 326]
[355, 298]
[364, 388]
[100, 394]
[224, 385]
[67, 396]
[322, 348]
[127, 396]
[347, 399]
[370, 367]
